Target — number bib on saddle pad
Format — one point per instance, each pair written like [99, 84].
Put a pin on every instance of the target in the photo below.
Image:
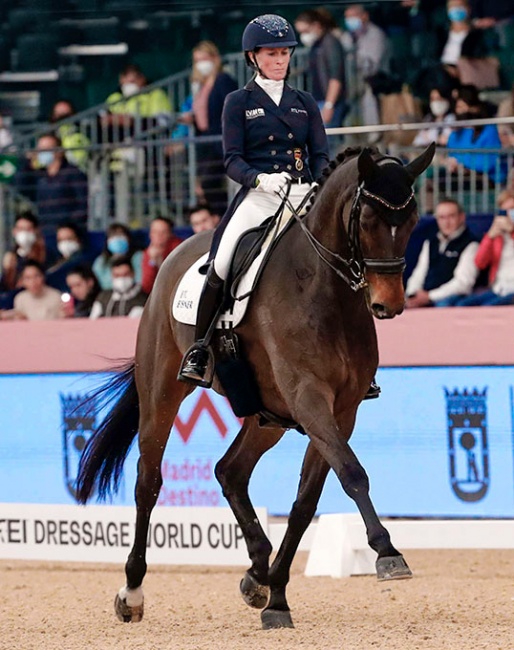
[187, 297]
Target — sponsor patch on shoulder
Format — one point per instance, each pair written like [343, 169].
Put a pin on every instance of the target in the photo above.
[252, 113]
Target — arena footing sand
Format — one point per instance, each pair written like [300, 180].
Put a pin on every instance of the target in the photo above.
[458, 600]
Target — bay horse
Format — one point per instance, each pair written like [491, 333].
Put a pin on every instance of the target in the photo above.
[310, 338]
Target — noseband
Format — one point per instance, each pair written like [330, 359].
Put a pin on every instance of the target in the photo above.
[353, 268]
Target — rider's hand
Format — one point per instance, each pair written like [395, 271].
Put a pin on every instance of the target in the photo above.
[273, 183]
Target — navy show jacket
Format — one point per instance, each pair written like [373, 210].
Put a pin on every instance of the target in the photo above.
[261, 137]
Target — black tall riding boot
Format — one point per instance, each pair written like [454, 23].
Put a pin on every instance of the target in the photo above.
[196, 359]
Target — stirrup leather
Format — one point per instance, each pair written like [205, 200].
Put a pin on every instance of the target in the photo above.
[197, 366]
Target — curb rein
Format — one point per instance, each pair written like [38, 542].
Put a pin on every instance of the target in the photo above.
[354, 267]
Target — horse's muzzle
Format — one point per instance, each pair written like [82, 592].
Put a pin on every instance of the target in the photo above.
[386, 294]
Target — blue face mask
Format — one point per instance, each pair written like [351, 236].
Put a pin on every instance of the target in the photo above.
[117, 245]
[353, 23]
[457, 14]
[45, 158]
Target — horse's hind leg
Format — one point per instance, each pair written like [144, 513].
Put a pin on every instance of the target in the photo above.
[158, 408]
[312, 480]
[233, 472]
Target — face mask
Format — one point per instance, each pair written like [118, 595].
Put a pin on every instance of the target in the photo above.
[308, 38]
[353, 24]
[457, 14]
[205, 68]
[117, 245]
[510, 212]
[45, 158]
[439, 107]
[122, 285]
[129, 89]
[465, 116]
[25, 239]
[67, 247]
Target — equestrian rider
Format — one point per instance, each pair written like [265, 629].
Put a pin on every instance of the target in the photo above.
[272, 135]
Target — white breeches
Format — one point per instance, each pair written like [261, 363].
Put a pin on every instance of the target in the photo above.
[254, 209]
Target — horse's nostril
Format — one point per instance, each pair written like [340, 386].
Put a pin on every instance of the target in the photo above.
[379, 310]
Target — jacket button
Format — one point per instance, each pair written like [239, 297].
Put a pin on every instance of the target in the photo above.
[290, 136]
[290, 167]
[275, 166]
[271, 137]
[289, 151]
[273, 153]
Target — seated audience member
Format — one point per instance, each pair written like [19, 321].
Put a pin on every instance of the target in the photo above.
[469, 107]
[126, 298]
[84, 288]
[28, 245]
[118, 243]
[58, 189]
[72, 252]
[162, 242]
[74, 141]
[496, 253]
[37, 301]
[440, 116]
[506, 109]
[201, 217]
[446, 269]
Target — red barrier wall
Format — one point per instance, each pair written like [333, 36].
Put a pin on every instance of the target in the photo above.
[420, 337]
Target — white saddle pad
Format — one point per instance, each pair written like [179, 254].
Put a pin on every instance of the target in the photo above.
[187, 297]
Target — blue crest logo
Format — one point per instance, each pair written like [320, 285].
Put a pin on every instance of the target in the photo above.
[78, 424]
[467, 443]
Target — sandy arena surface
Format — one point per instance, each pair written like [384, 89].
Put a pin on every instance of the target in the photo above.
[457, 600]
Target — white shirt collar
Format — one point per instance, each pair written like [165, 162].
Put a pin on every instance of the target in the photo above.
[271, 87]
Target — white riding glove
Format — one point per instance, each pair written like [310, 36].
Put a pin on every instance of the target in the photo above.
[273, 183]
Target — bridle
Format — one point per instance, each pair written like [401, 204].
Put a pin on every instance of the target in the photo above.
[353, 266]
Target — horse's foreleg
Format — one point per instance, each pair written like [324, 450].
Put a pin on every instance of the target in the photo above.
[233, 472]
[158, 410]
[314, 473]
[331, 441]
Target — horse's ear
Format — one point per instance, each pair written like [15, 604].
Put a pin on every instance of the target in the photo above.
[366, 165]
[419, 164]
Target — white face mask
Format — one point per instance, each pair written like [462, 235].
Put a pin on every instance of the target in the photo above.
[439, 107]
[205, 68]
[122, 285]
[129, 89]
[510, 212]
[67, 247]
[308, 38]
[25, 239]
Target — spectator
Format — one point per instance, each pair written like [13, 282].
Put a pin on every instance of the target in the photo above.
[162, 242]
[469, 107]
[440, 115]
[58, 189]
[445, 271]
[496, 253]
[209, 85]
[372, 52]
[493, 13]
[73, 140]
[28, 245]
[326, 63]
[201, 217]
[118, 243]
[129, 102]
[126, 298]
[37, 301]
[84, 289]
[72, 253]
[506, 109]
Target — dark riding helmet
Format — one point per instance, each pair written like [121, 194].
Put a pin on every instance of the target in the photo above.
[268, 30]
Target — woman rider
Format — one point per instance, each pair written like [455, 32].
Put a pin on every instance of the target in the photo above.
[272, 135]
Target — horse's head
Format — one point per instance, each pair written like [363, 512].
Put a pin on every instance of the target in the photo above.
[383, 215]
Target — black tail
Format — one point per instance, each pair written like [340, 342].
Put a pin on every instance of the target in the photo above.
[103, 458]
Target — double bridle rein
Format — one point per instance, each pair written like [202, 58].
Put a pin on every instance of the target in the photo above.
[353, 267]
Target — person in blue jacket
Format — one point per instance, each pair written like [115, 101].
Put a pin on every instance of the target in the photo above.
[272, 135]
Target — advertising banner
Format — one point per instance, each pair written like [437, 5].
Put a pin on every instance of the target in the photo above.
[439, 442]
[97, 534]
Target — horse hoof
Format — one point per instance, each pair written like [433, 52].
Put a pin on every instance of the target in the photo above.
[392, 568]
[126, 613]
[253, 593]
[273, 619]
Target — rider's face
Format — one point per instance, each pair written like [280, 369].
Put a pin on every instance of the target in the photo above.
[273, 62]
